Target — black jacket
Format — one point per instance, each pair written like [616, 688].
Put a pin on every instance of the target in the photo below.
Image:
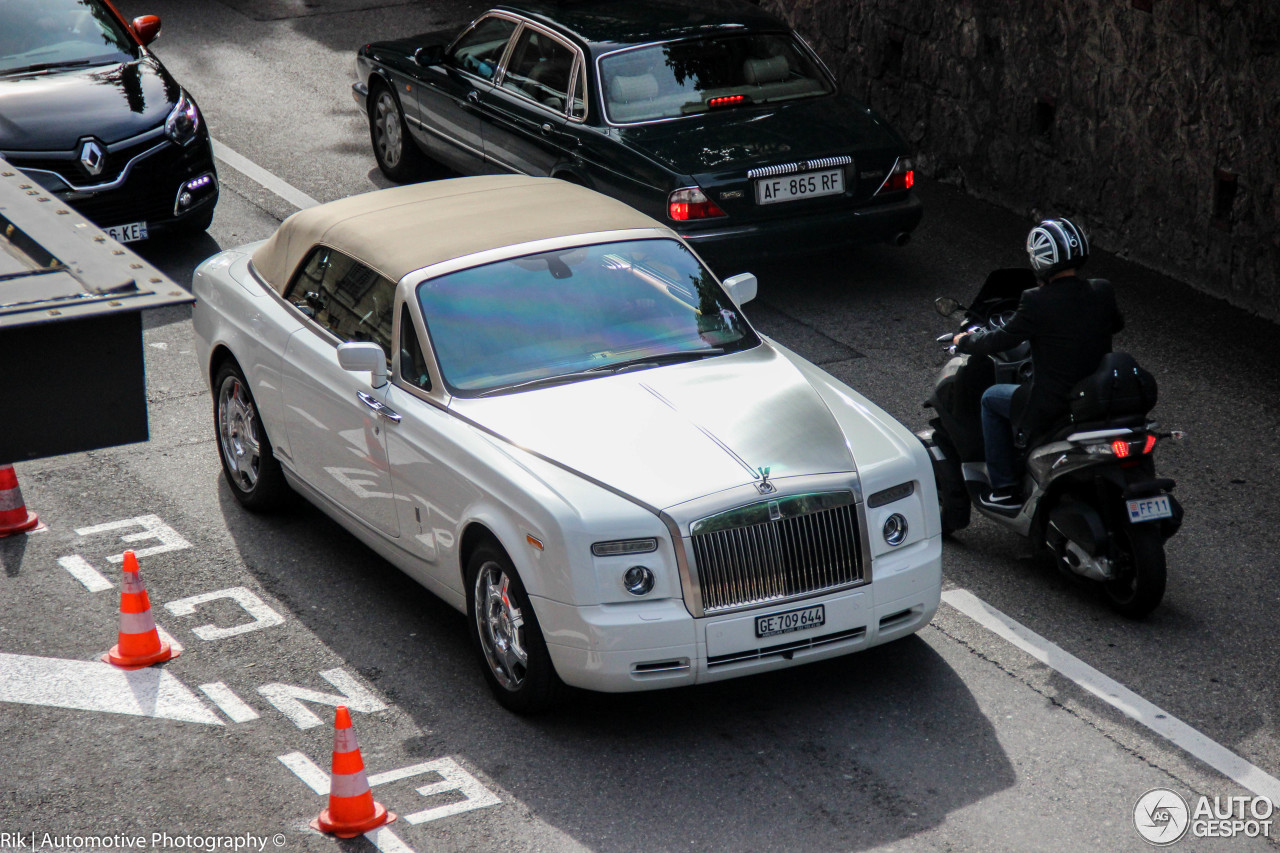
[1069, 323]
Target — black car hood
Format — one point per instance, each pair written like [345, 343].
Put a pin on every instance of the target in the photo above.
[760, 136]
[51, 112]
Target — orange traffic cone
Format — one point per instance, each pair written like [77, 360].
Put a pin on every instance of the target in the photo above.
[140, 644]
[14, 517]
[352, 810]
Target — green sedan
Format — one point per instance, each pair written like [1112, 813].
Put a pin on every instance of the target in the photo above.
[720, 122]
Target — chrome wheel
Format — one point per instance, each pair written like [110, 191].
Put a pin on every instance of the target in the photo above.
[387, 136]
[500, 626]
[238, 433]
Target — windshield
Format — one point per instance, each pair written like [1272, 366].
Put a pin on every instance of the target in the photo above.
[688, 77]
[40, 35]
[577, 313]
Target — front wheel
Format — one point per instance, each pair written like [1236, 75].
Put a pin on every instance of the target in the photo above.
[248, 462]
[1140, 573]
[953, 495]
[505, 630]
[397, 155]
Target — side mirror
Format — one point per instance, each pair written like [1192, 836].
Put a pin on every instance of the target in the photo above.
[146, 28]
[742, 287]
[430, 55]
[357, 356]
[946, 306]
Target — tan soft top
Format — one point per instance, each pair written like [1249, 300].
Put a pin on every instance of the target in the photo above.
[399, 230]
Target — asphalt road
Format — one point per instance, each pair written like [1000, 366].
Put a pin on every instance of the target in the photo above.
[952, 740]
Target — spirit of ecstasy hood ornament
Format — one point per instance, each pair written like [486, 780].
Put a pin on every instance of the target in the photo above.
[764, 487]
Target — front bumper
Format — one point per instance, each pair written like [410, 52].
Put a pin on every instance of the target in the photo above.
[147, 189]
[652, 645]
[877, 223]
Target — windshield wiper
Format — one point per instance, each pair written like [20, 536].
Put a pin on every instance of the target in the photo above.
[45, 66]
[661, 358]
[604, 369]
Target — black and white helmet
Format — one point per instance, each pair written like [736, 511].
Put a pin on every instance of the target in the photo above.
[1055, 245]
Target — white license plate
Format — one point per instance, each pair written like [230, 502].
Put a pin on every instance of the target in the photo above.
[806, 185]
[1149, 509]
[792, 620]
[131, 233]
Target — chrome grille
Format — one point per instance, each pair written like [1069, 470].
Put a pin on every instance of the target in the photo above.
[776, 550]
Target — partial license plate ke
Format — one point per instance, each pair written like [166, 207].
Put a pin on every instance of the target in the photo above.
[804, 185]
[793, 620]
[131, 233]
[1149, 509]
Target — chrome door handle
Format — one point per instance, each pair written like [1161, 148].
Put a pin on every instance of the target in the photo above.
[473, 96]
[546, 128]
[382, 410]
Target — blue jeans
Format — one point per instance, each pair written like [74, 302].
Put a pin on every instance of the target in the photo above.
[997, 435]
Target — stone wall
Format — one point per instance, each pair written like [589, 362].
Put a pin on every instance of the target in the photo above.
[1156, 122]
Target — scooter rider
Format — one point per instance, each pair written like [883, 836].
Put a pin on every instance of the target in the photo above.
[1069, 321]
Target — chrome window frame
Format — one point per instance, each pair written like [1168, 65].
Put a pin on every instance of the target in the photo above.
[578, 62]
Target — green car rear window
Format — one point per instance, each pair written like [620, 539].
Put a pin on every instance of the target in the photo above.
[683, 78]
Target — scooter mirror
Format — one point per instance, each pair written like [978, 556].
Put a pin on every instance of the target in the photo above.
[946, 306]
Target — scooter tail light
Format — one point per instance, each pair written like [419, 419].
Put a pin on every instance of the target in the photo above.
[1120, 448]
[1150, 445]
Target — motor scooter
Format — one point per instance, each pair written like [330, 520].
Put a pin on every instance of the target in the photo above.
[1092, 495]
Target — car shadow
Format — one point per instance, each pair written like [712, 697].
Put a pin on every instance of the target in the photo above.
[856, 752]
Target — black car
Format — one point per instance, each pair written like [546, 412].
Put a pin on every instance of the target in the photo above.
[92, 116]
[718, 120]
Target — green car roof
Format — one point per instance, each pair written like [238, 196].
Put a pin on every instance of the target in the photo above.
[606, 24]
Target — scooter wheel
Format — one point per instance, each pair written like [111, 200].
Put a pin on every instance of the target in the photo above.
[953, 495]
[1140, 571]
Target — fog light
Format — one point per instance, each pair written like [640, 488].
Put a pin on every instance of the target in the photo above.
[184, 200]
[638, 580]
[895, 529]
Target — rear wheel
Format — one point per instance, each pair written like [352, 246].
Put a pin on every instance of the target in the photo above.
[505, 630]
[1140, 571]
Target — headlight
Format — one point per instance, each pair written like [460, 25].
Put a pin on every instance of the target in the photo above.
[638, 580]
[183, 122]
[895, 529]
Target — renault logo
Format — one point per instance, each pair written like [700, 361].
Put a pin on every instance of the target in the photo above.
[92, 157]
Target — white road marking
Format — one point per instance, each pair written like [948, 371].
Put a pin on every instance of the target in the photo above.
[288, 698]
[228, 702]
[1117, 695]
[153, 528]
[79, 568]
[93, 686]
[254, 172]
[263, 616]
[387, 841]
[308, 771]
[454, 778]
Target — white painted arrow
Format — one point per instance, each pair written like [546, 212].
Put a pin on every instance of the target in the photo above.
[92, 686]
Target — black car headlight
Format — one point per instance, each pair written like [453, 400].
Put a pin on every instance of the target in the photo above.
[184, 121]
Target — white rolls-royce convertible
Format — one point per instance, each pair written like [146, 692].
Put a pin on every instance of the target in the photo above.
[542, 406]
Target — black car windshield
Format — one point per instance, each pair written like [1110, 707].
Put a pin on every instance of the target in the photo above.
[687, 77]
[577, 313]
[41, 35]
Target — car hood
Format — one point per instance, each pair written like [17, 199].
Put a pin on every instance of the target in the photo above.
[51, 112]
[667, 435]
[754, 136]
